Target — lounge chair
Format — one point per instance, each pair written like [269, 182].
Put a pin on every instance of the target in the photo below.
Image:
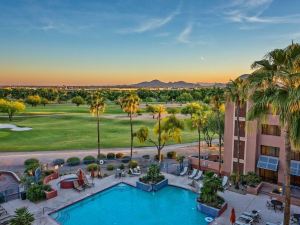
[184, 171]
[194, 173]
[86, 182]
[254, 215]
[240, 223]
[224, 181]
[5, 219]
[77, 187]
[199, 175]
[134, 173]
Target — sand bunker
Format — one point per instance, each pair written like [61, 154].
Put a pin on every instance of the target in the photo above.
[14, 127]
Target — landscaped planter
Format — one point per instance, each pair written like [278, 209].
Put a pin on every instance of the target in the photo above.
[152, 187]
[50, 177]
[254, 190]
[143, 186]
[211, 211]
[160, 185]
[51, 194]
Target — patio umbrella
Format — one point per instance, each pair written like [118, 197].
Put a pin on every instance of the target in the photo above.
[232, 216]
[80, 176]
[92, 173]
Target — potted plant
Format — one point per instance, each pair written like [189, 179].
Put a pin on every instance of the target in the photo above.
[209, 202]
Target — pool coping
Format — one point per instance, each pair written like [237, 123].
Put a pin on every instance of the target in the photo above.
[105, 189]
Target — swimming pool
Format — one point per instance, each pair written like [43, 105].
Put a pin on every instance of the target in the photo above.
[126, 205]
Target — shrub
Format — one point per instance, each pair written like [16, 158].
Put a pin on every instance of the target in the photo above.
[146, 156]
[133, 164]
[122, 167]
[58, 162]
[92, 166]
[89, 159]
[252, 179]
[110, 155]
[73, 161]
[36, 192]
[161, 156]
[22, 217]
[30, 168]
[119, 155]
[110, 167]
[48, 172]
[125, 159]
[31, 161]
[101, 156]
[171, 155]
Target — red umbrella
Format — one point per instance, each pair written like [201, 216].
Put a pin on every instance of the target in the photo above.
[232, 216]
[92, 173]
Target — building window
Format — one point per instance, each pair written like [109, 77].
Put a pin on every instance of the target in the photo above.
[267, 129]
[242, 129]
[295, 180]
[268, 175]
[243, 110]
[269, 151]
[295, 156]
[242, 149]
[235, 167]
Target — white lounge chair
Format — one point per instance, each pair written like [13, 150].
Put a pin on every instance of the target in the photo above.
[224, 181]
[240, 223]
[134, 173]
[184, 171]
[199, 175]
[194, 173]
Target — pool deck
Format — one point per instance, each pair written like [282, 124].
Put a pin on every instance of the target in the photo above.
[66, 197]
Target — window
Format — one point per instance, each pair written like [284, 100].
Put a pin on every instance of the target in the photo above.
[268, 175]
[295, 156]
[235, 167]
[242, 129]
[243, 110]
[295, 180]
[269, 151]
[267, 129]
[242, 149]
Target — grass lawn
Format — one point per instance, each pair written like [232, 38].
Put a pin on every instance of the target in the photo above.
[74, 129]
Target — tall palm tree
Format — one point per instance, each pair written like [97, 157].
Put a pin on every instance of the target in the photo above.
[130, 104]
[198, 120]
[217, 100]
[277, 87]
[97, 106]
[237, 93]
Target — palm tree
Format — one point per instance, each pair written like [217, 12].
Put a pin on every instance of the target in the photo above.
[218, 106]
[130, 104]
[198, 120]
[277, 88]
[97, 106]
[237, 93]
[22, 217]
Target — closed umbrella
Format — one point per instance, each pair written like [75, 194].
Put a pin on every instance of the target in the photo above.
[232, 216]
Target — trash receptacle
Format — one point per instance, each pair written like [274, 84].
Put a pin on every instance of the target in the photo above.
[23, 195]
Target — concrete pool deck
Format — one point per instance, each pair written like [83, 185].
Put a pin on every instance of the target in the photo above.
[66, 197]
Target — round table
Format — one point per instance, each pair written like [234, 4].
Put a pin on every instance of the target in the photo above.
[276, 203]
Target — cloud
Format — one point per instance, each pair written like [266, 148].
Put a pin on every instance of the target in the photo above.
[152, 23]
[184, 36]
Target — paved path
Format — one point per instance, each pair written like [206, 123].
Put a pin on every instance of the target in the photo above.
[12, 159]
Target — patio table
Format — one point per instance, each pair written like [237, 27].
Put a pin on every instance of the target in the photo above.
[276, 203]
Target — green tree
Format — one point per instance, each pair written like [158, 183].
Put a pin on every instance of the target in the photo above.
[33, 100]
[217, 102]
[44, 101]
[11, 107]
[151, 109]
[184, 97]
[198, 121]
[78, 100]
[237, 93]
[165, 129]
[130, 104]
[173, 110]
[97, 106]
[22, 217]
[191, 108]
[275, 86]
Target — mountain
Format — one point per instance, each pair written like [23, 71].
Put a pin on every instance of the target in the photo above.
[177, 84]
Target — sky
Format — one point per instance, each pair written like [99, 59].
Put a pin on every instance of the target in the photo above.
[105, 42]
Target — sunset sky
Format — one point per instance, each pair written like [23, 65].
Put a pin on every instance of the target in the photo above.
[84, 42]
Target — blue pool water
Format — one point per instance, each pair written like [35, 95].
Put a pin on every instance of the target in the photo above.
[126, 205]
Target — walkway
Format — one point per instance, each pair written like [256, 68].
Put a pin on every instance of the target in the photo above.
[240, 202]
